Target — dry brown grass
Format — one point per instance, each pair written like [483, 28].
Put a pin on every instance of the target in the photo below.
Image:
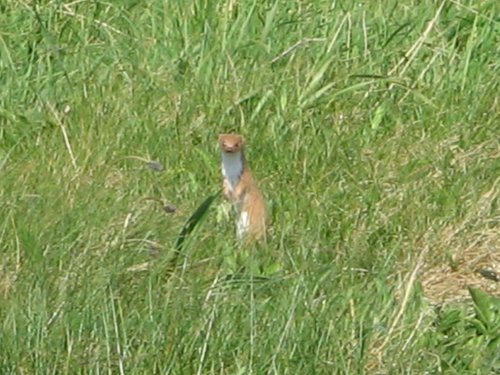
[473, 248]
[477, 264]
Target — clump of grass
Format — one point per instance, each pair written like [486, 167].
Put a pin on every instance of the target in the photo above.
[372, 127]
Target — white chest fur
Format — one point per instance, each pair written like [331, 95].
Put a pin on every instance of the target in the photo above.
[242, 224]
[232, 168]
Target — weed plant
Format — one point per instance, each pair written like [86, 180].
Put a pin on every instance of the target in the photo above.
[373, 128]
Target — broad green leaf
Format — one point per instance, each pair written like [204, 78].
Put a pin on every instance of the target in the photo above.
[377, 118]
[482, 305]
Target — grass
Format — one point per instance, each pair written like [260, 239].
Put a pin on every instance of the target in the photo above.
[372, 127]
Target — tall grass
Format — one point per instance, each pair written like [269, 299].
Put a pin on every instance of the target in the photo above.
[372, 127]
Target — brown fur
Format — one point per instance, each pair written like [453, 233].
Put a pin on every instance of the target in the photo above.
[244, 193]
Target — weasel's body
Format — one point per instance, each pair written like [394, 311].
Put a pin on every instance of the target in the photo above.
[240, 187]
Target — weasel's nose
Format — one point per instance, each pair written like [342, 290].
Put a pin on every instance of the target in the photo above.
[230, 148]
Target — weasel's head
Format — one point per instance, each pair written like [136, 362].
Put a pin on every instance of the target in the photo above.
[231, 143]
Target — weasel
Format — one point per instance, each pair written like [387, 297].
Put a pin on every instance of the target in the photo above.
[240, 187]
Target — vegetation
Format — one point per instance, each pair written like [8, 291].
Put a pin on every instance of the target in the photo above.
[372, 126]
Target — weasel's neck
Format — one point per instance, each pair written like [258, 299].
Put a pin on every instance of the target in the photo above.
[233, 165]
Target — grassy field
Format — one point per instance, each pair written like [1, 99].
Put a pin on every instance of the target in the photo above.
[373, 128]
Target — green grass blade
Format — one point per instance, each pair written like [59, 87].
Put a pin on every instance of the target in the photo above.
[190, 225]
